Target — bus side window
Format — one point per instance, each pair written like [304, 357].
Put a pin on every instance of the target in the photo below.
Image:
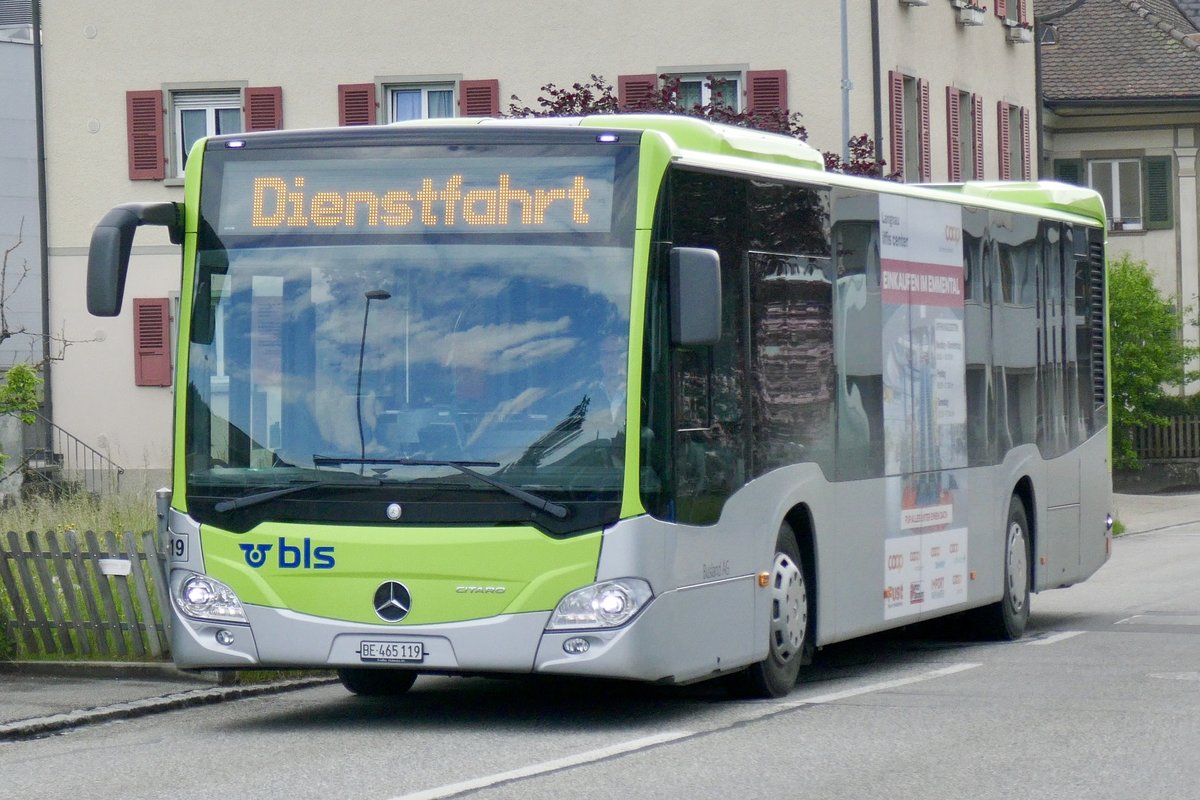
[977, 258]
[710, 422]
[857, 341]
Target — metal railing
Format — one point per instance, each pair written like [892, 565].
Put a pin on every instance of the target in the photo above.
[67, 464]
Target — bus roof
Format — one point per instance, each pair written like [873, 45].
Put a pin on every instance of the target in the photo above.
[701, 137]
[687, 133]
[1042, 194]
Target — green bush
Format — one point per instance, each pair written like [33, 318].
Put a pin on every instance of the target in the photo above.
[1147, 353]
[1175, 406]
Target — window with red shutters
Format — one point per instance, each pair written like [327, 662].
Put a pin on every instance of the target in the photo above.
[1026, 147]
[144, 130]
[926, 170]
[1005, 142]
[953, 134]
[896, 99]
[977, 126]
[766, 91]
[152, 341]
[479, 98]
[264, 108]
[356, 104]
[636, 91]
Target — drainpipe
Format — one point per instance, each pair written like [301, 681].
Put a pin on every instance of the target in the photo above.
[43, 224]
[847, 85]
[876, 67]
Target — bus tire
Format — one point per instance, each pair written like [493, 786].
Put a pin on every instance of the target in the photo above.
[377, 682]
[1007, 618]
[790, 642]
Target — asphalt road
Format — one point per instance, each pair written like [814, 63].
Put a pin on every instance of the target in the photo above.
[1101, 700]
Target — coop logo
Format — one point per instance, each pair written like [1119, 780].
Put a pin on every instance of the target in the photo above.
[289, 556]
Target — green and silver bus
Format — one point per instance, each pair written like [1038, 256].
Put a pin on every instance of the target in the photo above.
[636, 397]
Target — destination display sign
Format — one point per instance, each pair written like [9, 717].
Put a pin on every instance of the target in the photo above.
[483, 194]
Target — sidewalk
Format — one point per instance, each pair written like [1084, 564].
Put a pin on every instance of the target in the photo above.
[39, 698]
[1142, 513]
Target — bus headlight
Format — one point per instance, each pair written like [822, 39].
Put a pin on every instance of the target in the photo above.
[206, 598]
[601, 605]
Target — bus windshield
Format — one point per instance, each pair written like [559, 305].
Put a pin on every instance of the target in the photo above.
[403, 358]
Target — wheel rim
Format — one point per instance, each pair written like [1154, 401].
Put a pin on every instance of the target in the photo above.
[1018, 568]
[789, 608]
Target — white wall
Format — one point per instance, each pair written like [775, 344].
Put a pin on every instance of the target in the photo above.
[94, 53]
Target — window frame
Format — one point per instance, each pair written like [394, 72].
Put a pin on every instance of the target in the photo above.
[964, 135]
[390, 89]
[902, 85]
[737, 78]
[1112, 203]
[189, 97]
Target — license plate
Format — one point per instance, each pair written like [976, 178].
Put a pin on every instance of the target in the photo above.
[391, 652]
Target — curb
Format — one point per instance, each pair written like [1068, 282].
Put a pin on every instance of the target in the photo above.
[42, 726]
[149, 670]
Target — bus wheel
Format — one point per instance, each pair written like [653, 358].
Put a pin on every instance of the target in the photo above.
[377, 682]
[790, 643]
[1007, 618]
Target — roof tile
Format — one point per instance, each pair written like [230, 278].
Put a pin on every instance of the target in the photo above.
[1119, 50]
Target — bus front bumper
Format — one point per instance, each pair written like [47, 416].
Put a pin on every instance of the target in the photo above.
[651, 647]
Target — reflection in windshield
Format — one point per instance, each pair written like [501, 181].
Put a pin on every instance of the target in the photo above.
[507, 354]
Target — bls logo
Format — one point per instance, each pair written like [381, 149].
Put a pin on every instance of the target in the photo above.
[290, 556]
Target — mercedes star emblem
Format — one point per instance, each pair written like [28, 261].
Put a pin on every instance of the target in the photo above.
[392, 601]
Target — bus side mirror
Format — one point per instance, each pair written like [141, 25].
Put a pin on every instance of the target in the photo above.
[108, 253]
[695, 296]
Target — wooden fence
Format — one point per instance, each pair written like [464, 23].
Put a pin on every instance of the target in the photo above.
[69, 596]
[1179, 438]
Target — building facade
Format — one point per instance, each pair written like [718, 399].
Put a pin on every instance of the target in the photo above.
[946, 88]
[20, 228]
[21, 288]
[1121, 86]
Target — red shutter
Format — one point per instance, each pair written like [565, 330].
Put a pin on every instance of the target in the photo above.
[977, 127]
[152, 341]
[356, 104]
[926, 148]
[953, 132]
[264, 108]
[479, 98]
[766, 91]
[1004, 142]
[1023, 12]
[1026, 147]
[144, 129]
[636, 92]
[896, 95]
[1002, 8]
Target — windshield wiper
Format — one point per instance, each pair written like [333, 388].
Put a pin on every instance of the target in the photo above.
[270, 494]
[540, 503]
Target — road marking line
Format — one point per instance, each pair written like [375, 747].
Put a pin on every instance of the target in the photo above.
[633, 745]
[1056, 637]
[1160, 619]
[547, 766]
[878, 687]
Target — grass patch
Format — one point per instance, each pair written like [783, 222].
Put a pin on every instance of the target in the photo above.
[253, 676]
[80, 513]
